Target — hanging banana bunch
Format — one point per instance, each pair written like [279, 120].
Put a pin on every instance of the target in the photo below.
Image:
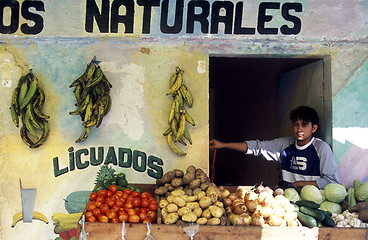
[27, 102]
[92, 93]
[179, 116]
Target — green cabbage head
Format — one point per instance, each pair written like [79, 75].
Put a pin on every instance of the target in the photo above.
[331, 206]
[291, 194]
[335, 192]
[311, 193]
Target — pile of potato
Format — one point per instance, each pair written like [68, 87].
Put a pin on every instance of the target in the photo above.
[189, 197]
[259, 207]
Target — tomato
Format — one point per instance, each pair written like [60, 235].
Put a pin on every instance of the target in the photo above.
[136, 202]
[152, 200]
[100, 199]
[109, 193]
[119, 193]
[93, 196]
[147, 220]
[91, 219]
[127, 206]
[128, 191]
[136, 194]
[129, 198]
[116, 208]
[144, 202]
[143, 216]
[110, 202]
[146, 194]
[125, 195]
[96, 212]
[120, 202]
[143, 209]
[90, 206]
[152, 206]
[103, 218]
[132, 211]
[102, 192]
[111, 213]
[115, 220]
[98, 204]
[123, 217]
[88, 214]
[152, 215]
[133, 218]
[113, 188]
[104, 208]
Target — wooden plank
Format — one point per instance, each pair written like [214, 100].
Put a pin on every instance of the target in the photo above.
[112, 231]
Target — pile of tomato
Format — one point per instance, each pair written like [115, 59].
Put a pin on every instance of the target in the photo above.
[115, 206]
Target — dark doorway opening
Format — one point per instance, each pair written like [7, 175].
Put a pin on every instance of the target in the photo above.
[245, 105]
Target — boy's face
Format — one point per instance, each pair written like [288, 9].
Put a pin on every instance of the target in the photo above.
[303, 131]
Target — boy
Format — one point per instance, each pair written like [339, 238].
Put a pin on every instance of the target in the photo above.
[304, 159]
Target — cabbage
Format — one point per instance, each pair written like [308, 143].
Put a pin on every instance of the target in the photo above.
[361, 193]
[331, 206]
[335, 192]
[311, 193]
[291, 194]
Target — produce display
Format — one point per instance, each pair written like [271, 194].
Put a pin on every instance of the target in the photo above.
[179, 116]
[27, 102]
[92, 93]
[189, 197]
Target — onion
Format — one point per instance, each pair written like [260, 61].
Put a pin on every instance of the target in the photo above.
[278, 191]
[247, 219]
[275, 220]
[268, 201]
[232, 196]
[262, 196]
[278, 211]
[251, 205]
[237, 202]
[266, 211]
[241, 208]
[236, 220]
[257, 220]
[250, 196]
[227, 202]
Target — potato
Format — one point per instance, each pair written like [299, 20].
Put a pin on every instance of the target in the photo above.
[167, 177]
[171, 208]
[169, 187]
[179, 201]
[178, 173]
[179, 222]
[177, 192]
[205, 202]
[188, 192]
[161, 190]
[189, 198]
[196, 183]
[183, 210]
[171, 218]
[200, 173]
[198, 211]
[189, 217]
[202, 221]
[201, 194]
[219, 204]
[177, 182]
[192, 205]
[214, 221]
[189, 176]
[196, 191]
[204, 186]
[206, 214]
[216, 211]
[170, 198]
[164, 213]
[163, 203]
[191, 168]
[213, 192]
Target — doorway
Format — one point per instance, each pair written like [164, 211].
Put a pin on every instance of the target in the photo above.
[247, 96]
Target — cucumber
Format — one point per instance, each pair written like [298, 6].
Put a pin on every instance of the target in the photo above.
[315, 213]
[307, 203]
[307, 220]
[328, 221]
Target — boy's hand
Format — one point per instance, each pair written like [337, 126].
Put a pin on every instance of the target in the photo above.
[215, 144]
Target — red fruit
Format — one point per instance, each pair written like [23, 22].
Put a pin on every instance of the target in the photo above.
[64, 235]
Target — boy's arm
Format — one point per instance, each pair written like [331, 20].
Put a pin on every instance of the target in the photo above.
[237, 146]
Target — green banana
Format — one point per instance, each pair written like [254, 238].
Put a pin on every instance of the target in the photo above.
[181, 127]
[44, 136]
[178, 81]
[173, 77]
[24, 136]
[173, 146]
[14, 99]
[172, 111]
[88, 112]
[167, 131]
[14, 115]
[22, 92]
[187, 95]
[32, 118]
[97, 77]
[90, 70]
[29, 126]
[30, 93]
[189, 118]
[187, 136]
[82, 107]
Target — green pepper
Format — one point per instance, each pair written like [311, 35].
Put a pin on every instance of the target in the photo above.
[113, 181]
[121, 181]
[106, 182]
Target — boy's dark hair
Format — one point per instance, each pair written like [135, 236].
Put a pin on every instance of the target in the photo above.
[304, 113]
